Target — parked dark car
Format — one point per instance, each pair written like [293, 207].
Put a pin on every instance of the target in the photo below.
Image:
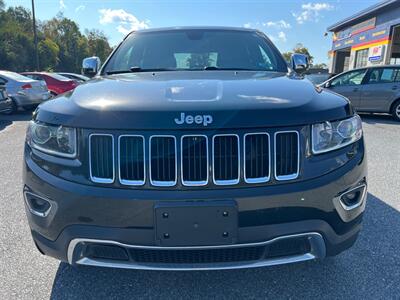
[5, 101]
[56, 84]
[24, 92]
[77, 77]
[372, 89]
[195, 149]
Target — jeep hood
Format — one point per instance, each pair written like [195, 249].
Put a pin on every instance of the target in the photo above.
[232, 99]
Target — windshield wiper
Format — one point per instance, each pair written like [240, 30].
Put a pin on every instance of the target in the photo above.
[138, 70]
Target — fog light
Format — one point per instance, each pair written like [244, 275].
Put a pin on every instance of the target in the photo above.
[353, 198]
[37, 205]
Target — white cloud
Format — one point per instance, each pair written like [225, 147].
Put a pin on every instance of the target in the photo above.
[281, 24]
[62, 5]
[80, 8]
[126, 21]
[282, 36]
[247, 25]
[311, 12]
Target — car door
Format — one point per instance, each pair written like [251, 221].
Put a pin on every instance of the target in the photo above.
[380, 89]
[349, 85]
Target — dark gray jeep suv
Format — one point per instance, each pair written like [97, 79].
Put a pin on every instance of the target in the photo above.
[195, 148]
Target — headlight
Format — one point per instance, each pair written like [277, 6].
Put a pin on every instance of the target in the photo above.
[57, 140]
[330, 136]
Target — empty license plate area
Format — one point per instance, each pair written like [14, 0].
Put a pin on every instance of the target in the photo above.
[196, 223]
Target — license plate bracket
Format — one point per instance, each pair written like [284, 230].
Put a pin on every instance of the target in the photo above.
[196, 223]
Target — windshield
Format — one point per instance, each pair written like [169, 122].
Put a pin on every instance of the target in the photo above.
[15, 76]
[196, 49]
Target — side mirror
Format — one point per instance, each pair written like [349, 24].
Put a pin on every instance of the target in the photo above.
[327, 84]
[90, 66]
[300, 63]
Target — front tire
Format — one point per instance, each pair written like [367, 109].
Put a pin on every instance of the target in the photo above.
[396, 110]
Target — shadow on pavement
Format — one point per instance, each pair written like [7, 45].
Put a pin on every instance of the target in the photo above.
[378, 119]
[7, 120]
[370, 269]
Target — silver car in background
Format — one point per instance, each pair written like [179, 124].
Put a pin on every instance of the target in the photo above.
[25, 92]
[371, 89]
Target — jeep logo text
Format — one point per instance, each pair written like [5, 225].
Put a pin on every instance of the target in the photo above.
[198, 119]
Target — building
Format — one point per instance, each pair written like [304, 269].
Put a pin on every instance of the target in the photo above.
[370, 37]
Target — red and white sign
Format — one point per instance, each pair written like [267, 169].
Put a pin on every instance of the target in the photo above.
[376, 53]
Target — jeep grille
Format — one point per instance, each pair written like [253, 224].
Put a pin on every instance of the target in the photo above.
[195, 160]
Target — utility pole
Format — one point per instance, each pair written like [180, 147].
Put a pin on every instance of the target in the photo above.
[35, 36]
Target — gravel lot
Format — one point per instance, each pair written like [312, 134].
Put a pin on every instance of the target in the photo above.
[371, 269]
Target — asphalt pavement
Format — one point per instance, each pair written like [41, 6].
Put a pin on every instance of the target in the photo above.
[369, 270]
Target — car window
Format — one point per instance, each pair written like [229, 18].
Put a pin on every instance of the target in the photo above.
[31, 76]
[196, 49]
[387, 75]
[350, 78]
[14, 76]
[3, 81]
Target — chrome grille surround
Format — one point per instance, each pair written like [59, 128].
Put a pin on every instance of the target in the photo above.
[290, 176]
[225, 182]
[178, 170]
[98, 179]
[261, 179]
[132, 182]
[194, 183]
[163, 183]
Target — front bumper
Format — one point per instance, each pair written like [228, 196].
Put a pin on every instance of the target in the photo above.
[86, 215]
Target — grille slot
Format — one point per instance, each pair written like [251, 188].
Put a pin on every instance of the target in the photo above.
[257, 157]
[197, 256]
[163, 161]
[101, 158]
[194, 160]
[226, 160]
[287, 155]
[131, 160]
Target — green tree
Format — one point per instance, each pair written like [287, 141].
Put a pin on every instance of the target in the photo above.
[98, 44]
[48, 54]
[73, 46]
[61, 44]
[299, 48]
[16, 50]
[287, 55]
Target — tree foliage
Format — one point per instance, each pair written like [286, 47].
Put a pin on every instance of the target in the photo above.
[299, 48]
[61, 44]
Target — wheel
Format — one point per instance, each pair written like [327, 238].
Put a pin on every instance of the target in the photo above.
[396, 111]
[14, 108]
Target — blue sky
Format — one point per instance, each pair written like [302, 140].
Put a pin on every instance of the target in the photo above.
[286, 22]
